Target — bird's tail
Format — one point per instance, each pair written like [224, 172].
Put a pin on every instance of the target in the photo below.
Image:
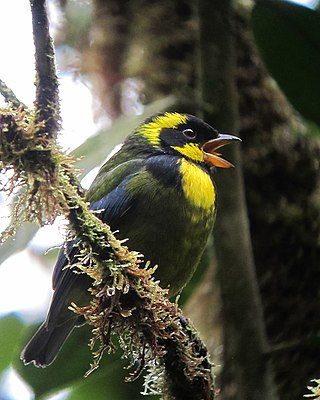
[44, 346]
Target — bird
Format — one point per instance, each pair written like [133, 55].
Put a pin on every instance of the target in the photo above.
[158, 192]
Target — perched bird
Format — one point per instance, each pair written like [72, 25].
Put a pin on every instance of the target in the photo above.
[158, 192]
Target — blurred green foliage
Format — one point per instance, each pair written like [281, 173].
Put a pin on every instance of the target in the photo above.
[288, 36]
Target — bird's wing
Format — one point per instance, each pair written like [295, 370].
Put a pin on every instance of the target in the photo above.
[101, 194]
[111, 200]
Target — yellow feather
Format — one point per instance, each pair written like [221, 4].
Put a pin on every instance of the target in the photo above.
[197, 185]
[190, 150]
[151, 131]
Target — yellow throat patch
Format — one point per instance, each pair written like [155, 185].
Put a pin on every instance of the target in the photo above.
[151, 131]
[190, 150]
[197, 185]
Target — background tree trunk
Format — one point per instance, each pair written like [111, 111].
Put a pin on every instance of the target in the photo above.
[281, 174]
[246, 374]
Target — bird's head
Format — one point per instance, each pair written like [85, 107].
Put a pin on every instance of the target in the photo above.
[187, 136]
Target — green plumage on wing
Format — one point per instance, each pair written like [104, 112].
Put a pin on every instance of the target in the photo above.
[158, 192]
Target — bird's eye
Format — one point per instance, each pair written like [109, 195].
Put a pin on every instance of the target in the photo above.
[189, 133]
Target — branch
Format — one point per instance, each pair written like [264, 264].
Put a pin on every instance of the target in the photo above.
[176, 363]
[47, 95]
[9, 96]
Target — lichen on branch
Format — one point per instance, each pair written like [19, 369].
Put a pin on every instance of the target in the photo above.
[35, 165]
[314, 389]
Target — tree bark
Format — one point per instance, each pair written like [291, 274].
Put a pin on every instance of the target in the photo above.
[246, 373]
[281, 172]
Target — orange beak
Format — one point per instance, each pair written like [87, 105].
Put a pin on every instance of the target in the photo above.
[210, 155]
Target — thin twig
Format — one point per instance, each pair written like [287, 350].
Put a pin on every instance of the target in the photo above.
[47, 94]
[9, 96]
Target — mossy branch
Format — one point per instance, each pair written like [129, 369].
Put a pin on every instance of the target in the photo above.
[126, 300]
[9, 96]
[314, 389]
[47, 94]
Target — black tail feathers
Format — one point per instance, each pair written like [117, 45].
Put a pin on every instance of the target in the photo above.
[44, 346]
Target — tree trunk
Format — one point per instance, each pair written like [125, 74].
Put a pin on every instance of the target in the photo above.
[246, 372]
[282, 188]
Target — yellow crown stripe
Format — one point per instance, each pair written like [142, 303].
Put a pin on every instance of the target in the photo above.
[151, 131]
[197, 185]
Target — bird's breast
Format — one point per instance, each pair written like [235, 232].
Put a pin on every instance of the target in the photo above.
[170, 218]
[197, 186]
[188, 178]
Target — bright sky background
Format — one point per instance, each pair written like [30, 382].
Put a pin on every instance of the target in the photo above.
[17, 70]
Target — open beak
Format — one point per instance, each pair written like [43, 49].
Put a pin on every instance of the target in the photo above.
[211, 156]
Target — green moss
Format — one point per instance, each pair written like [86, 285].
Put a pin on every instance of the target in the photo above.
[315, 390]
[38, 169]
